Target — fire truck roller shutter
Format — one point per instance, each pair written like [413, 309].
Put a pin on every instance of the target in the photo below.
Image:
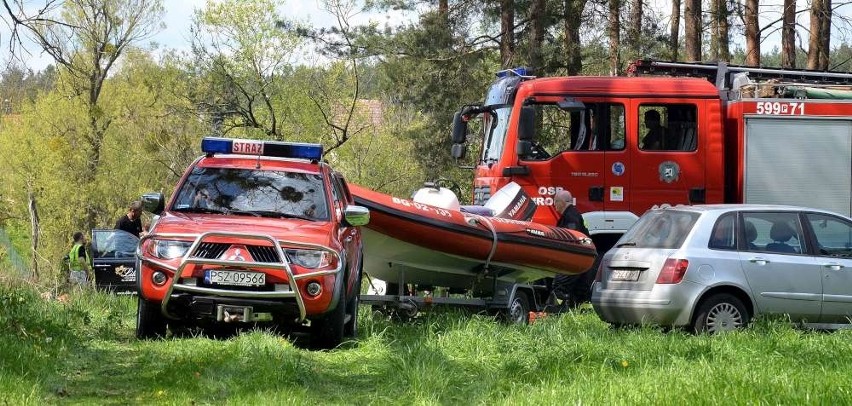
[799, 161]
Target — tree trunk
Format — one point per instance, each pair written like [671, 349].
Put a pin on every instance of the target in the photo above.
[574, 57]
[614, 37]
[507, 27]
[788, 35]
[674, 34]
[35, 229]
[635, 37]
[443, 7]
[723, 52]
[537, 16]
[692, 26]
[752, 33]
[817, 44]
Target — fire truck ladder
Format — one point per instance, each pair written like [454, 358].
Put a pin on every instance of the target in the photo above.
[723, 75]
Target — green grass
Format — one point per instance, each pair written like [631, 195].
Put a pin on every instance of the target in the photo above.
[83, 352]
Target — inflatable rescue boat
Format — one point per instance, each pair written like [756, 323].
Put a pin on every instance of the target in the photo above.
[432, 240]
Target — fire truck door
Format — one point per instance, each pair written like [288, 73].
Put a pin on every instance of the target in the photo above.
[668, 165]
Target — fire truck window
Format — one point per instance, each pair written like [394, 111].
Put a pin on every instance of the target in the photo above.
[600, 126]
[668, 127]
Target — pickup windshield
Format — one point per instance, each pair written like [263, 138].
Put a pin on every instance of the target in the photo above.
[278, 194]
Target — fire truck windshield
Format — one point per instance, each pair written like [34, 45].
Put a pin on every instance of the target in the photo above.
[253, 192]
[495, 126]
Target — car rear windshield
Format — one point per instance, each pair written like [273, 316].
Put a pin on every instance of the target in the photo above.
[659, 229]
[262, 193]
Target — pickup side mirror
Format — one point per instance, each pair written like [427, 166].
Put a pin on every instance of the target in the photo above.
[526, 123]
[356, 215]
[459, 151]
[153, 202]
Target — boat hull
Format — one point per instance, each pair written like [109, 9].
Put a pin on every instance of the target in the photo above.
[417, 243]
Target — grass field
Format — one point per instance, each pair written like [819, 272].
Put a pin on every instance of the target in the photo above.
[82, 351]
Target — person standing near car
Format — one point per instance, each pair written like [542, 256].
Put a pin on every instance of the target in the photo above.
[132, 221]
[78, 261]
[573, 290]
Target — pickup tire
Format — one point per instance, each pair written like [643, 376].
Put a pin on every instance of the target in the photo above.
[150, 322]
[350, 329]
[327, 332]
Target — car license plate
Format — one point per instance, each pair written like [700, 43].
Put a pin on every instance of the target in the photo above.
[624, 275]
[234, 278]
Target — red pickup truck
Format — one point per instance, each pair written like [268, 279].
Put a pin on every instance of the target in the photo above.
[255, 232]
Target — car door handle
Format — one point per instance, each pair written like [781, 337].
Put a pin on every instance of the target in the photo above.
[759, 261]
[833, 267]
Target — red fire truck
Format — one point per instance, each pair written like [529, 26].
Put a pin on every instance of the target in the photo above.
[702, 133]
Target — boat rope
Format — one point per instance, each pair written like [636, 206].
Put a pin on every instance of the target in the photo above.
[487, 223]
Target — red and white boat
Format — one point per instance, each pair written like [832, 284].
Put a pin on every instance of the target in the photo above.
[443, 244]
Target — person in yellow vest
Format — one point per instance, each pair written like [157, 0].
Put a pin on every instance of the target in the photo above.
[79, 262]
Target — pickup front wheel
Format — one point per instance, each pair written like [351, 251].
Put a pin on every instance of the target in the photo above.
[327, 332]
[150, 322]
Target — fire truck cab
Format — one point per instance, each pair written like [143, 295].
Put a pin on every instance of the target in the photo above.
[704, 133]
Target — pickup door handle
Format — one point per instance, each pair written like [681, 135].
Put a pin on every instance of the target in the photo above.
[833, 267]
[759, 261]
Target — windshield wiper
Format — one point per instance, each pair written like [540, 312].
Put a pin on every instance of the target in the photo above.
[244, 212]
[272, 214]
[626, 244]
[198, 210]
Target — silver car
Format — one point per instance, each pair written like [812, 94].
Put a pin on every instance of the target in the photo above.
[714, 267]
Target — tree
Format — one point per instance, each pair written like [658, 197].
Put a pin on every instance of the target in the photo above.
[507, 32]
[752, 33]
[674, 29]
[85, 38]
[538, 25]
[788, 35]
[819, 43]
[720, 24]
[614, 37]
[635, 32]
[693, 27]
[573, 11]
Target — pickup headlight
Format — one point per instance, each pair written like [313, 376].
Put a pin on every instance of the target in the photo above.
[309, 258]
[170, 249]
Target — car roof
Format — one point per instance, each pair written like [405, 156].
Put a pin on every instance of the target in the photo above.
[727, 207]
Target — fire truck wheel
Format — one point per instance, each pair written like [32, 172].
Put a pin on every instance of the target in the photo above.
[327, 332]
[150, 322]
[350, 329]
[519, 310]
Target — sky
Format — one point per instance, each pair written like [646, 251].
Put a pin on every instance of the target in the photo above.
[178, 15]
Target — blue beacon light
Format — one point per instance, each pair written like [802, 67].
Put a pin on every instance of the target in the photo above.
[297, 150]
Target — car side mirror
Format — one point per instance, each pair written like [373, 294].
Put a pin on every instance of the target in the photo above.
[459, 133]
[356, 215]
[459, 151]
[526, 123]
[153, 202]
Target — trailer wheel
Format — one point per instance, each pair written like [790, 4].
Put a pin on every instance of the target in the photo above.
[519, 310]
[150, 322]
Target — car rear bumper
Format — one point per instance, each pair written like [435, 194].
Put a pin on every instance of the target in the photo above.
[664, 304]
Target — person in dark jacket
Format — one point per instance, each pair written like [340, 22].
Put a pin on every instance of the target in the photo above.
[573, 290]
[132, 221]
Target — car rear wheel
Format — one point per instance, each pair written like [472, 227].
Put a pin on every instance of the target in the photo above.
[327, 332]
[519, 310]
[150, 322]
[720, 312]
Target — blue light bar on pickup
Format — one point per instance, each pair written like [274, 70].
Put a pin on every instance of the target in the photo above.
[298, 150]
[519, 71]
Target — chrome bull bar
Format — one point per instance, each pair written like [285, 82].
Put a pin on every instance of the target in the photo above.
[283, 265]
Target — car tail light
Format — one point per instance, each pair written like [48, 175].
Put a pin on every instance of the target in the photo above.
[673, 271]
